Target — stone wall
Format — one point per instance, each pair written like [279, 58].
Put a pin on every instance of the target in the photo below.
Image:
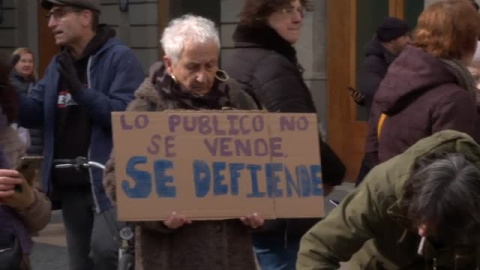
[18, 27]
[136, 27]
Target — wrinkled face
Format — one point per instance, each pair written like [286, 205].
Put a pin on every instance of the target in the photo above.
[400, 43]
[196, 67]
[24, 66]
[287, 21]
[67, 24]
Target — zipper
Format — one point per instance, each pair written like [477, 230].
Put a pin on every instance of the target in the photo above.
[90, 173]
[92, 186]
[89, 64]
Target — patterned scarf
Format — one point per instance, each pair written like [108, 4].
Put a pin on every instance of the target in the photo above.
[168, 88]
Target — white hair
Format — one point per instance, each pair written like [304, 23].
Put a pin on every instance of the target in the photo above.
[188, 28]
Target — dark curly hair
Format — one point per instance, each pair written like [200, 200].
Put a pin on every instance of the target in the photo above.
[255, 11]
[8, 95]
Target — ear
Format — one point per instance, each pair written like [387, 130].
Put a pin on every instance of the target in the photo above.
[168, 64]
[87, 17]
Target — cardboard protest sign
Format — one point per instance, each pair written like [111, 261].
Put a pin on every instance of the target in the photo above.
[216, 165]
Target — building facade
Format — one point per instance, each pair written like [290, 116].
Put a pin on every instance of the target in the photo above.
[335, 32]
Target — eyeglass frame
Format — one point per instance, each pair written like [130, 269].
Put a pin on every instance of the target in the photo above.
[291, 9]
[57, 16]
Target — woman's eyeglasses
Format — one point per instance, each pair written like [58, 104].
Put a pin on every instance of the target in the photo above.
[291, 11]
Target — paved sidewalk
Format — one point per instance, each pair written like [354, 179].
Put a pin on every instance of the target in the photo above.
[50, 252]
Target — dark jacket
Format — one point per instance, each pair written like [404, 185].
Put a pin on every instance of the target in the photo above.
[373, 212]
[420, 96]
[267, 68]
[113, 75]
[375, 65]
[23, 86]
[202, 245]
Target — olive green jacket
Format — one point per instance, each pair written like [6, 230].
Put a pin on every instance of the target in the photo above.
[372, 213]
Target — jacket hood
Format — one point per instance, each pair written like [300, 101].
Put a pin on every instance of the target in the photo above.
[104, 33]
[411, 74]
[99, 43]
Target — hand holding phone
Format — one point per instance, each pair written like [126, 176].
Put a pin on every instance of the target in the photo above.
[15, 191]
[358, 97]
[29, 167]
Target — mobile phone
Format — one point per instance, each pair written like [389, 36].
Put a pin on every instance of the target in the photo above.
[352, 90]
[28, 166]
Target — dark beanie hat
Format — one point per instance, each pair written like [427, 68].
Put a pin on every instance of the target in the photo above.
[392, 28]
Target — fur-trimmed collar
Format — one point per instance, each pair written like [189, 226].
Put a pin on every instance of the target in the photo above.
[261, 35]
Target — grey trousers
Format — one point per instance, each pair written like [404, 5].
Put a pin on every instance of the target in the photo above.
[92, 239]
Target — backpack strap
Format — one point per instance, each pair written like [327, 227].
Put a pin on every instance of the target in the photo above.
[381, 121]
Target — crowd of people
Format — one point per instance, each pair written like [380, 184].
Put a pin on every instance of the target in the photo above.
[416, 205]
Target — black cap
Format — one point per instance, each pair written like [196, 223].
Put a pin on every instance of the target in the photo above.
[392, 28]
[87, 4]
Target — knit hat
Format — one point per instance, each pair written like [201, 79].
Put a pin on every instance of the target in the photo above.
[392, 28]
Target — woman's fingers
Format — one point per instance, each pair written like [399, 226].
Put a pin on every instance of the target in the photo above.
[254, 221]
[175, 221]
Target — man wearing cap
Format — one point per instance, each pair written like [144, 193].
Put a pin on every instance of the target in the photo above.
[91, 77]
[389, 41]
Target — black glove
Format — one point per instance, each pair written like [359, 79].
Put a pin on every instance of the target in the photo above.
[68, 73]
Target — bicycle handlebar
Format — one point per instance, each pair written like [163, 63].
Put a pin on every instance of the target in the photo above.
[77, 163]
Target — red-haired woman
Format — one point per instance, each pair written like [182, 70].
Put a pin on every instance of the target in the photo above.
[428, 88]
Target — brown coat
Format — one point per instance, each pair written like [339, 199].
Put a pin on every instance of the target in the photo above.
[38, 215]
[420, 97]
[202, 245]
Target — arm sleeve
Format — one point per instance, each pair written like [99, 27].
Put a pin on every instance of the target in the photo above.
[281, 89]
[370, 78]
[128, 76]
[342, 233]
[37, 217]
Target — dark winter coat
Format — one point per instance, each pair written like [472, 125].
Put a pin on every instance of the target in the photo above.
[374, 69]
[113, 75]
[202, 245]
[23, 86]
[267, 68]
[420, 97]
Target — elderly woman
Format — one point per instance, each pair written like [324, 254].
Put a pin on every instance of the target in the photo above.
[22, 211]
[428, 87]
[189, 79]
[265, 63]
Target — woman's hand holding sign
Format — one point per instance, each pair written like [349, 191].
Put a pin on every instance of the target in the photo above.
[175, 221]
[253, 221]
